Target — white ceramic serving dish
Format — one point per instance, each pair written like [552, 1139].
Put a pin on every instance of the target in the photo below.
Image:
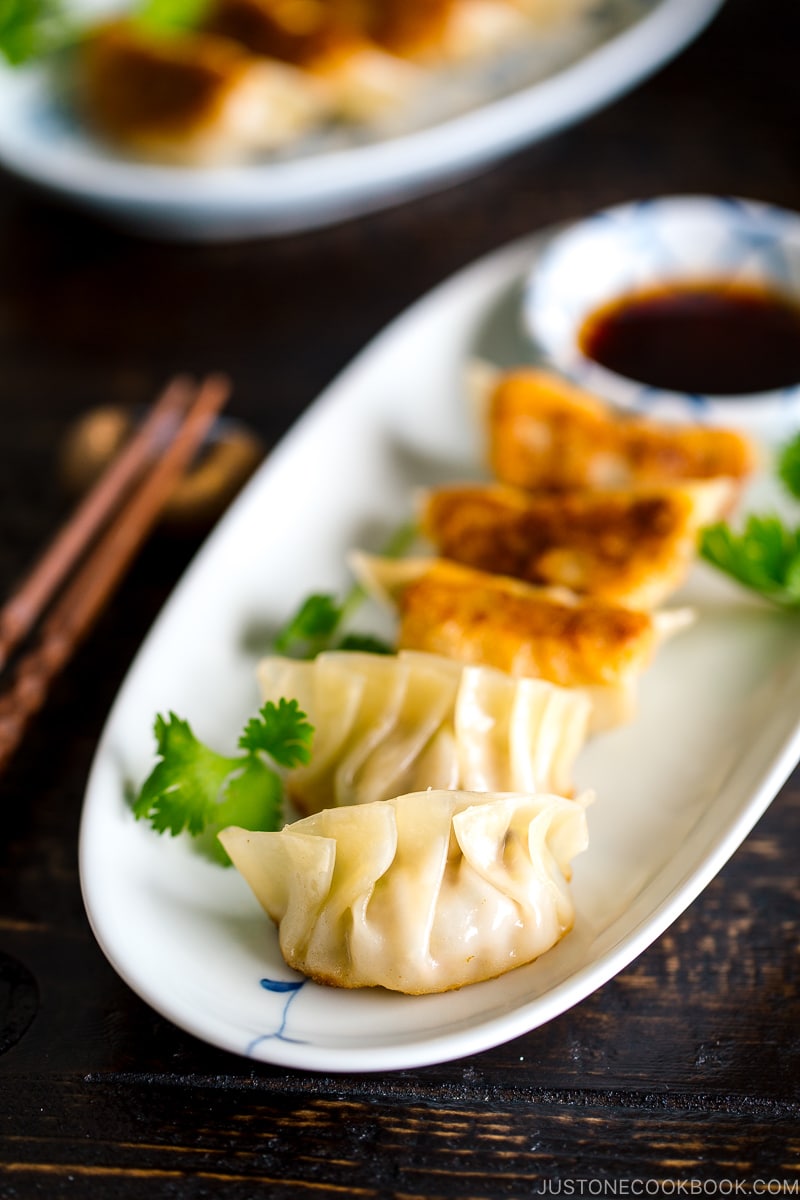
[650, 242]
[623, 42]
[717, 732]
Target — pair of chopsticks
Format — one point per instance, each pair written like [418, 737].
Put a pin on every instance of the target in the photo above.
[79, 571]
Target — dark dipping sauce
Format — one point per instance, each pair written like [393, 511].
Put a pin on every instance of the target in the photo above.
[719, 338]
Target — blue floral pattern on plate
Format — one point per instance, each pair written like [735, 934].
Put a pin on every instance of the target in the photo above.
[289, 990]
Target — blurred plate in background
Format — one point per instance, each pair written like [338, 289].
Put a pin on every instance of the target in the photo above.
[619, 43]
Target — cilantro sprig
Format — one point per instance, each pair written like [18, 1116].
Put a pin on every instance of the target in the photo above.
[318, 622]
[34, 29]
[31, 29]
[164, 16]
[764, 556]
[194, 789]
[788, 466]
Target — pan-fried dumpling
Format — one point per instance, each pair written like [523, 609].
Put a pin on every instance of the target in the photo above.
[545, 633]
[192, 98]
[330, 44]
[631, 546]
[544, 432]
[389, 724]
[421, 893]
[439, 31]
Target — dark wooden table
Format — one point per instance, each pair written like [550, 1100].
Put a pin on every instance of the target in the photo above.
[685, 1067]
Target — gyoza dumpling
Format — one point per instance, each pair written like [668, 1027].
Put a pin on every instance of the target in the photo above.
[545, 633]
[421, 893]
[330, 44]
[440, 31]
[544, 432]
[193, 98]
[389, 724]
[630, 546]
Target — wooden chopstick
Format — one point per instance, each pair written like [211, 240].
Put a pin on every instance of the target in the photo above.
[93, 583]
[22, 611]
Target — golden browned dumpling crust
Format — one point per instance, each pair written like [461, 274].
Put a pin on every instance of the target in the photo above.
[628, 547]
[295, 31]
[310, 32]
[192, 98]
[137, 85]
[480, 618]
[544, 432]
[410, 27]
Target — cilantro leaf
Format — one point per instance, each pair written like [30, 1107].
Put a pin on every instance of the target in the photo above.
[253, 798]
[312, 625]
[30, 29]
[789, 466]
[164, 16]
[182, 790]
[281, 731]
[366, 643]
[315, 624]
[764, 556]
[194, 789]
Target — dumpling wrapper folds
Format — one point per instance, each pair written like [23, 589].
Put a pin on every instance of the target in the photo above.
[425, 892]
[388, 724]
[546, 633]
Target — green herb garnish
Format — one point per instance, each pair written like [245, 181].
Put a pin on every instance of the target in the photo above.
[316, 624]
[788, 467]
[165, 16]
[193, 788]
[764, 557]
[31, 29]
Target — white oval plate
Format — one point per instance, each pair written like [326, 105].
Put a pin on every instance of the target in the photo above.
[40, 143]
[717, 732]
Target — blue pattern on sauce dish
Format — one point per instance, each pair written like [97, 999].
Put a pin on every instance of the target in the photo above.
[648, 243]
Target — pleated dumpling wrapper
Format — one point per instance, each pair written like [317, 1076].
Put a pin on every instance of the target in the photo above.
[542, 633]
[422, 893]
[388, 724]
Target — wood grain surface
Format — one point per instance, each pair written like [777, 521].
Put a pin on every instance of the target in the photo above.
[685, 1069]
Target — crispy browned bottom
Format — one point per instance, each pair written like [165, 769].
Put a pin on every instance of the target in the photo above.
[136, 85]
[338, 979]
[300, 32]
[478, 618]
[410, 27]
[546, 433]
[626, 547]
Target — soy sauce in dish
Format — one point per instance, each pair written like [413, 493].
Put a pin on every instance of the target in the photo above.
[717, 337]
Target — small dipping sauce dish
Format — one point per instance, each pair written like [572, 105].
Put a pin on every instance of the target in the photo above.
[684, 307]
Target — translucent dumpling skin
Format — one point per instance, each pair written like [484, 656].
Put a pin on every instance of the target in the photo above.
[390, 724]
[421, 893]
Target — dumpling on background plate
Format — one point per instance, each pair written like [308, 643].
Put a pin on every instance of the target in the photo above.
[191, 98]
[420, 893]
[441, 31]
[329, 43]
